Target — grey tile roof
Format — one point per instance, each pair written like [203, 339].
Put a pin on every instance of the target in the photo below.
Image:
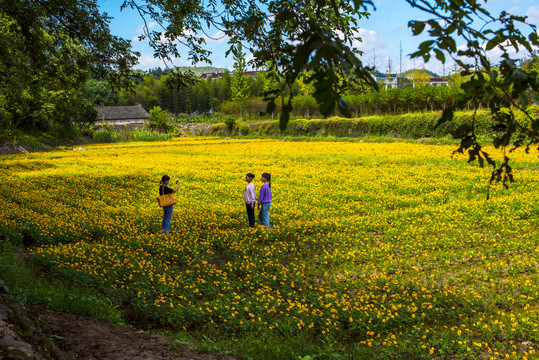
[121, 112]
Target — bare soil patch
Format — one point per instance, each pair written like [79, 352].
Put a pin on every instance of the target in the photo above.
[80, 337]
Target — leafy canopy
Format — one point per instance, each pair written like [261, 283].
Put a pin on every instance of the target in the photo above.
[48, 51]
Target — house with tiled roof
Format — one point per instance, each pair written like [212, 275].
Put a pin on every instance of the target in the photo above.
[121, 115]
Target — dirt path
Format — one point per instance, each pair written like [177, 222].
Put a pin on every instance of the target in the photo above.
[86, 338]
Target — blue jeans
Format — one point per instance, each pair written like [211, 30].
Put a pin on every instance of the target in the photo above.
[263, 215]
[167, 218]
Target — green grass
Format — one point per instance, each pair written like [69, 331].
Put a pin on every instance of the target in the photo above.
[31, 283]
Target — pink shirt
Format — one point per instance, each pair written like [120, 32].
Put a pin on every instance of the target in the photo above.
[249, 194]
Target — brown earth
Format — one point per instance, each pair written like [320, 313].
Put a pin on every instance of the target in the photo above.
[80, 337]
[39, 333]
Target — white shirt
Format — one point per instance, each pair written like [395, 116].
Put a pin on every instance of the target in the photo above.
[249, 194]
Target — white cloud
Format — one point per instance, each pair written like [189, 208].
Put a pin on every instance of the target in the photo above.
[140, 30]
[369, 40]
[374, 48]
[219, 37]
[147, 61]
[533, 15]
[495, 55]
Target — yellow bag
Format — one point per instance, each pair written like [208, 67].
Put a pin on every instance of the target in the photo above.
[166, 200]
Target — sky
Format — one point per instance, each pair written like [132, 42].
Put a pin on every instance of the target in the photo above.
[386, 39]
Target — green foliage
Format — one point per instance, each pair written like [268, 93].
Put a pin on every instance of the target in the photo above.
[105, 136]
[158, 118]
[390, 101]
[405, 126]
[239, 87]
[29, 285]
[48, 52]
[100, 93]
[230, 121]
[403, 100]
[244, 129]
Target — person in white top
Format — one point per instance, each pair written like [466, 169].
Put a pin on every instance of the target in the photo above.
[250, 199]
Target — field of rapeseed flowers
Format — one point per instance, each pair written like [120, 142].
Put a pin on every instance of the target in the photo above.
[377, 250]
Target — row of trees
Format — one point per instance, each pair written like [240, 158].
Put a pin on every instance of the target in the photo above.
[239, 94]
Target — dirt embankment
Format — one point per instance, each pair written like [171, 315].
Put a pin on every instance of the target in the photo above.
[9, 148]
[40, 333]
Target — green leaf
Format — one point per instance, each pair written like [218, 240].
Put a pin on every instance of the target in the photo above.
[417, 26]
[440, 55]
[447, 116]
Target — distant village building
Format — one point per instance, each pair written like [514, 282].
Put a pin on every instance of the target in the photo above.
[434, 82]
[438, 81]
[251, 73]
[121, 115]
[388, 81]
[212, 75]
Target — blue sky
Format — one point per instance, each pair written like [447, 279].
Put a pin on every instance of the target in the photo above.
[382, 34]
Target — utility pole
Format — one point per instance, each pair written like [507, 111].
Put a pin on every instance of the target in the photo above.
[400, 64]
[400, 58]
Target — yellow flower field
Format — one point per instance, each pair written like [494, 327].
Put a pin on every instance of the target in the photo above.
[389, 249]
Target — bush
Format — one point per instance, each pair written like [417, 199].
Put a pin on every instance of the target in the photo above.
[219, 129]
[158, 118]
[230, 107]
[105, 136]
[244, 129]
[230, 121]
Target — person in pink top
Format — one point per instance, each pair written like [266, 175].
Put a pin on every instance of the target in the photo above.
[264, 200]
[250, 199]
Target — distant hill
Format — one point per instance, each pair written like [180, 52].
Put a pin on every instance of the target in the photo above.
[201, 70]
[409, 73]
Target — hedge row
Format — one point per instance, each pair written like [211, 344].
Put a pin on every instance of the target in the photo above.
[407, 126]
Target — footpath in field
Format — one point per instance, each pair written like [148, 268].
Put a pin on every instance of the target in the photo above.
[81, 337]
[61, 336]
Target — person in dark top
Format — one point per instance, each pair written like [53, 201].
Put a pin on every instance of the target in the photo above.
[167, 211]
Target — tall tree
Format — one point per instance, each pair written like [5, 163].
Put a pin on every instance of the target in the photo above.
[239, 87]
[48, 50]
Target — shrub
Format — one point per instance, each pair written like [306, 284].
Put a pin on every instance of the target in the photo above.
[230, 121]
[105, 136]
[158, 117]
[244, 129]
